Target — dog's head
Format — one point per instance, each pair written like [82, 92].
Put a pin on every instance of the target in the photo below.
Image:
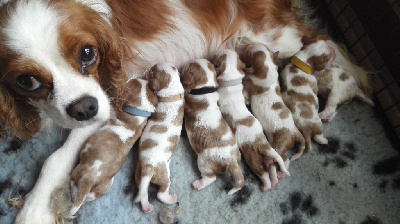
[164, 80]
[197, 74]
[261, 63]
[228, 66]
[58, 61]
[317, 54]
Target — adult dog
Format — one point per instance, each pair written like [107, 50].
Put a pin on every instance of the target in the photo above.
[68, 60]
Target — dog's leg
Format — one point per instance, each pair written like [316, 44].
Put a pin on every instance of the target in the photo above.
[204, 181]
[273, 174]
[143, 196]
[282, 175]
[54, 172]
[320, 139]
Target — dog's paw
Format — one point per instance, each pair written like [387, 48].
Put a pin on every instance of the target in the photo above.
[33, 213]
[198, 185]
[148, 208]
[281, 175]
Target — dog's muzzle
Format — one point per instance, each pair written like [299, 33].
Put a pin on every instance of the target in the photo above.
[83, 109]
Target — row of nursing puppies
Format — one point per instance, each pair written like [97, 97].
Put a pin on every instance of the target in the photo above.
[212, 98]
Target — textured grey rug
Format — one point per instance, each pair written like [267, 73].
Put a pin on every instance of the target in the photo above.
[356, 179]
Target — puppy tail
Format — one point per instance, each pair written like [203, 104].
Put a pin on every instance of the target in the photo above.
[301, 141]
[275, 156]
[360, 94]
[237, 174]
[83, 189]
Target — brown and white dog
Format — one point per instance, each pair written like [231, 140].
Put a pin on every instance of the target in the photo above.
[209, 134]
[104, 153]
[268, 107]
[339, 84]
[161, 135]
[69, 60]
[247, 129]
[300, 89]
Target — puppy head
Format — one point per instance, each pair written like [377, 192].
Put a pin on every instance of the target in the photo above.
[56, 68]
[197, 74]
[228, 66]
[318, 54]
[139, 95]
[260, 62]
[164, 80]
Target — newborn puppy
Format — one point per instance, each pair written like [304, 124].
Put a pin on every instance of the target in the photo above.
[268, 106]
[248, 131]
[299, 88]
[208, 132]
[338, 86]
[161, 135]
[104, 153]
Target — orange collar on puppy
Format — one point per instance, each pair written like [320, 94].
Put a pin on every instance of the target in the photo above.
[302, 65]
[171, 98]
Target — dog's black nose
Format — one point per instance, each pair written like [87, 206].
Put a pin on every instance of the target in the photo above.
[83, 109]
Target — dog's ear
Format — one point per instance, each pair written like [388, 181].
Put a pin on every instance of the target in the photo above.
[187, 79]
[154, 85]
[18, 116]
[220, 64]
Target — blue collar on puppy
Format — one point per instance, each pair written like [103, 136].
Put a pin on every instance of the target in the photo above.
[203, 90]
[136, 112]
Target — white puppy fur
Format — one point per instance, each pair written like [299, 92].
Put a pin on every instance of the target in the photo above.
[248, 131]
[160, 137]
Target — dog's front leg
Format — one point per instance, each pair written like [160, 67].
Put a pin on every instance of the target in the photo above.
[55, 170]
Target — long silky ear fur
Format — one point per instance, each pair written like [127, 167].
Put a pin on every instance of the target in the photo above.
[111, 49]
[18, 116]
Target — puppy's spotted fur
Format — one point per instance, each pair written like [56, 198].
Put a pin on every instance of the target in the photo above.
[161, 135]
[248, 131]
[104, 153]
[268, 106]
[209, 134]
[299, 90]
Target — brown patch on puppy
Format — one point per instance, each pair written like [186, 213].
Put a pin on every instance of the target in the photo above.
[174, 142]
[158, 129]
[293, 69]
[277, 106]
[256, 60]
[324, 78]
[190, 80]
[219, 64]
[306, 110]
[343, 77]
[284, 113]
[253, 89]
[299, 81]
[158, 116]
[299, 97]
[148, 144]
[318, 63]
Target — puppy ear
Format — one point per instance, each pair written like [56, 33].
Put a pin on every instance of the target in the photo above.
[219, 64]
[18, 115]
[187, 79]
[154, 85]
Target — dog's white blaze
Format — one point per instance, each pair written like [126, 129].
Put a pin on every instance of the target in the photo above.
[122, 132]
[175, 86]
[145, 103]
[96, 164]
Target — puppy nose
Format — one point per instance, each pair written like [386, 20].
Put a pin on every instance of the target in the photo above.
[83, 109]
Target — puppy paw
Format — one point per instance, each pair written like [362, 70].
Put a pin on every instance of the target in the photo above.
[167, 198]
[148, 208]
[265, 188]
[281, 175]
[198, 185]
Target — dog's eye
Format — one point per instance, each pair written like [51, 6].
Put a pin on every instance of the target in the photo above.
[88, 56]
[28, 83]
